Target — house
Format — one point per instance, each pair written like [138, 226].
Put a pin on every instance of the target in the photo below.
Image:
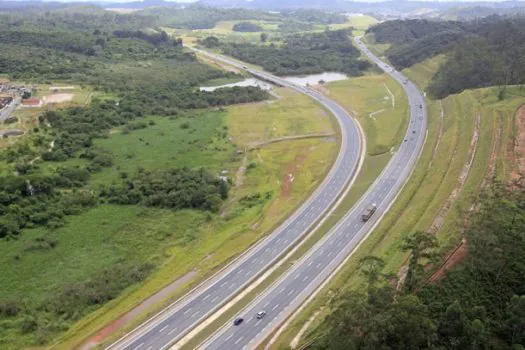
[31, 102]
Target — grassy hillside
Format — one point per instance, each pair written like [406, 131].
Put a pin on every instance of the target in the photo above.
[435, 190]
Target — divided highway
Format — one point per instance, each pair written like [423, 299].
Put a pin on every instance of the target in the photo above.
[281, 299]
[178, 319]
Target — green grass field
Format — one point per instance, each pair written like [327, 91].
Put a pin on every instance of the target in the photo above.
[192, 140]
[198, 242]
[382, 117]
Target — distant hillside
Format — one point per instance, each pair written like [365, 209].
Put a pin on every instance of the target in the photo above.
[480, 53]
[401, 9]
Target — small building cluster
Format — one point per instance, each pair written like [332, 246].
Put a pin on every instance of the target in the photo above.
[13, 90]
[5, 100]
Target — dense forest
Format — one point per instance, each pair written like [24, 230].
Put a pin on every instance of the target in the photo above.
[480, 304]
[302, 54]
[480, 53]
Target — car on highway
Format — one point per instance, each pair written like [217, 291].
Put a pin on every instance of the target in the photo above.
[238, 321]
[261, 314]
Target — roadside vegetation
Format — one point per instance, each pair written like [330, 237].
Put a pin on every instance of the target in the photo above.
[479, 304]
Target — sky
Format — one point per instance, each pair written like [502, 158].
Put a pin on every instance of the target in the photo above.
[190, 1]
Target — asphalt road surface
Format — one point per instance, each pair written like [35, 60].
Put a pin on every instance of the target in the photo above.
[178, 319]
[7, 110]
[284, 296]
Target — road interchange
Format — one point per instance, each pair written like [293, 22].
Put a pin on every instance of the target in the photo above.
[175, 321]
[306, 276]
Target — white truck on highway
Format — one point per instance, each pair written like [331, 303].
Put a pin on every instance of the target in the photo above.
[369, 212]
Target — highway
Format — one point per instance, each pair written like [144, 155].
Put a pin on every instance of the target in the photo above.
[171, 324]
[281, 299]
[7, 110]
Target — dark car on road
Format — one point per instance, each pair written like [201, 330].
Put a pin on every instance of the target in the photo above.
[238, 321]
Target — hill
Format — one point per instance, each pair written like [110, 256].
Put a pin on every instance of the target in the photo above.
[486, 52]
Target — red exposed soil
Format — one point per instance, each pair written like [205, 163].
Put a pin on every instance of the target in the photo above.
[454, 258]
[289, 177]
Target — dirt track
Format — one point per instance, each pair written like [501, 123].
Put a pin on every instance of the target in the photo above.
[518, 151]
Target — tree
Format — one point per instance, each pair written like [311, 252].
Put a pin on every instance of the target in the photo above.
[264, 37]
[421, 246]
[210, 42]
[515, 320]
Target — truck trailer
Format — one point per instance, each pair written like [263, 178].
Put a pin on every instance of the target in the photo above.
[369, 212]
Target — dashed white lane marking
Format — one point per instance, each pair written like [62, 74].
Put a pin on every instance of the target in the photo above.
[318, 266]
[149, 348]
[173, 330]
[248, 273]
[139, 346]
[305, 278]
[275, 307]
[229, 337]
[206, 297]
[213, 300]
[238, 340]
[290, 292]
[195, 313]
[163, 328]
[223, 284]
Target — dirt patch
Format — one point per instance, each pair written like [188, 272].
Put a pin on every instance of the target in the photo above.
[57, 88]
[454, 258]
[288, 179]
[239, 176]
[141, 308]
[57, 98]
[255, 145]
[517, 150]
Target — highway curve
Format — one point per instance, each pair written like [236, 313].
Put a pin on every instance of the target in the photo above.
[281, 299]
[171, 324]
